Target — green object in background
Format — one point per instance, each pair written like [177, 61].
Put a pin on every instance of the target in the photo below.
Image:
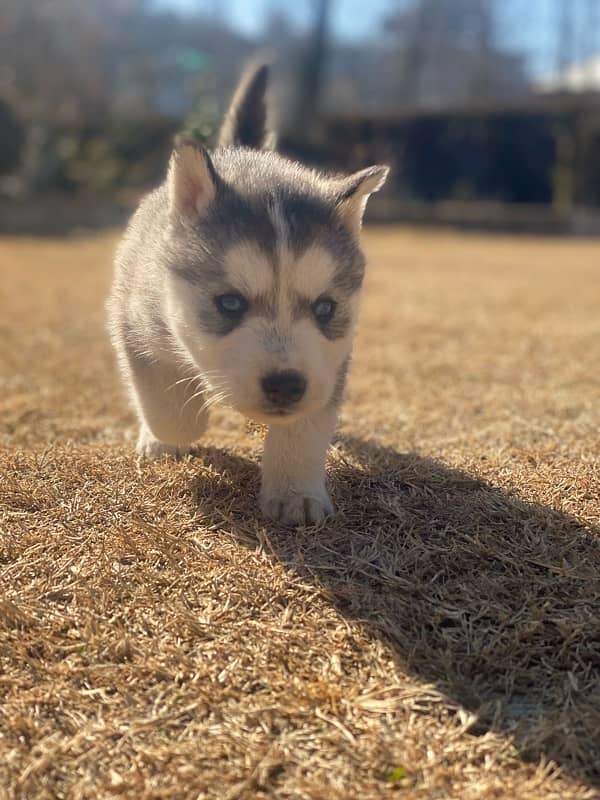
[199, 133]
[192, 60]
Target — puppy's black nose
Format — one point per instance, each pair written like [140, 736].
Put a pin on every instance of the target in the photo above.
[284, 388]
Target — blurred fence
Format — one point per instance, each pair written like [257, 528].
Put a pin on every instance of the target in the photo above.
[530, 167]
[515, 168]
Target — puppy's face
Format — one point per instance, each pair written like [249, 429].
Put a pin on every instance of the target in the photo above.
[271, 329]
[264, 288]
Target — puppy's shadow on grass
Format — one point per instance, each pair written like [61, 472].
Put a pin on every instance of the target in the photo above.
[493, 599]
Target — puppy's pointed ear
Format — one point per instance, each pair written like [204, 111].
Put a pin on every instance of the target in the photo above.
[245, 123]
[354, 191]
[192, 181]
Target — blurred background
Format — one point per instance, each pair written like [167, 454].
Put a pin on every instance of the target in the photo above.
[487, 110]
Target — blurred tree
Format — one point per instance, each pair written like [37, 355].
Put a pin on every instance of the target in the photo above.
[448, 53]
[85, 59]
[314, 64]
[77, 64]
[565, 38]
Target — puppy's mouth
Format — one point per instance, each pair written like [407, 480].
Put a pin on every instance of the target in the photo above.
[279, 412]
[273, 415]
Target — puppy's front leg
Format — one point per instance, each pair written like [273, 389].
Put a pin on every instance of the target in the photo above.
[293, 470]
[170, 405]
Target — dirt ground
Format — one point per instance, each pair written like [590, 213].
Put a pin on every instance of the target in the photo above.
[439, 639]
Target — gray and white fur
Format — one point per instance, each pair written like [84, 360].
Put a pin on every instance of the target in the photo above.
[238, 281]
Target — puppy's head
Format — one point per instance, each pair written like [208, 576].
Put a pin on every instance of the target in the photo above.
[264, 274]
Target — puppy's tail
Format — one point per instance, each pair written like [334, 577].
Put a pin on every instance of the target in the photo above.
[245, 123]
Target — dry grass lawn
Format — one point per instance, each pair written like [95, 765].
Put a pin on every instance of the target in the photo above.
[441, 639]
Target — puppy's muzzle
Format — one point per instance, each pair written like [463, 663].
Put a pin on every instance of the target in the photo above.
[283, 389]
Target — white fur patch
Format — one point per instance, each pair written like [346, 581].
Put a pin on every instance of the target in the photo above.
[248, 269]
[313, 273]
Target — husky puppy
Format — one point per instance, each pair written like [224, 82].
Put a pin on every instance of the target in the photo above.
[238, 280]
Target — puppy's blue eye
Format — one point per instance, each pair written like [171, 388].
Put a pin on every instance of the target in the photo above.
[231, 304]
[324, 309]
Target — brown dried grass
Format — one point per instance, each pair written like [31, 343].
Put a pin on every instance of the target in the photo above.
[440, 639]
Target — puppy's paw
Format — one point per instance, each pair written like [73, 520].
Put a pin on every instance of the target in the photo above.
[294, 509]
[150, 449]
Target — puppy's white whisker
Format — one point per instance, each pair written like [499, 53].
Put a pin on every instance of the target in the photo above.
[197, 394]
[181, 381]
[213, 400]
